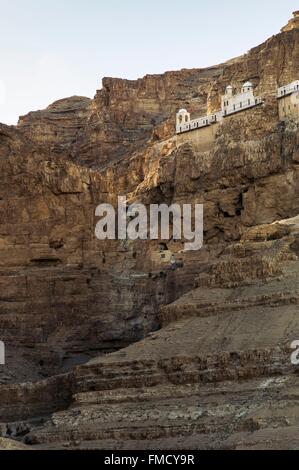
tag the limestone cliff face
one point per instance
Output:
(125, 115)
(293, 23)
(65, 296)
(227, 316)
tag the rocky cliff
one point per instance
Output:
(200, 356)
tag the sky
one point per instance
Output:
(51, 49)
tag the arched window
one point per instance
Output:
(186, 118)
(181, 119)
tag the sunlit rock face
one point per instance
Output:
(293, 23)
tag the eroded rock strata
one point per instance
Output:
(108, 348)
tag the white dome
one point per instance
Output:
(229, 87)
(183, 111)
(248, 85)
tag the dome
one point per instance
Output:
(183, 111)
(229, 87)
(248, 85)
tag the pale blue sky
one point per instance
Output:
(50, 49)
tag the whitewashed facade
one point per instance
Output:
(230, 104)
(184, 123)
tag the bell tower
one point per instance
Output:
(182, 119)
